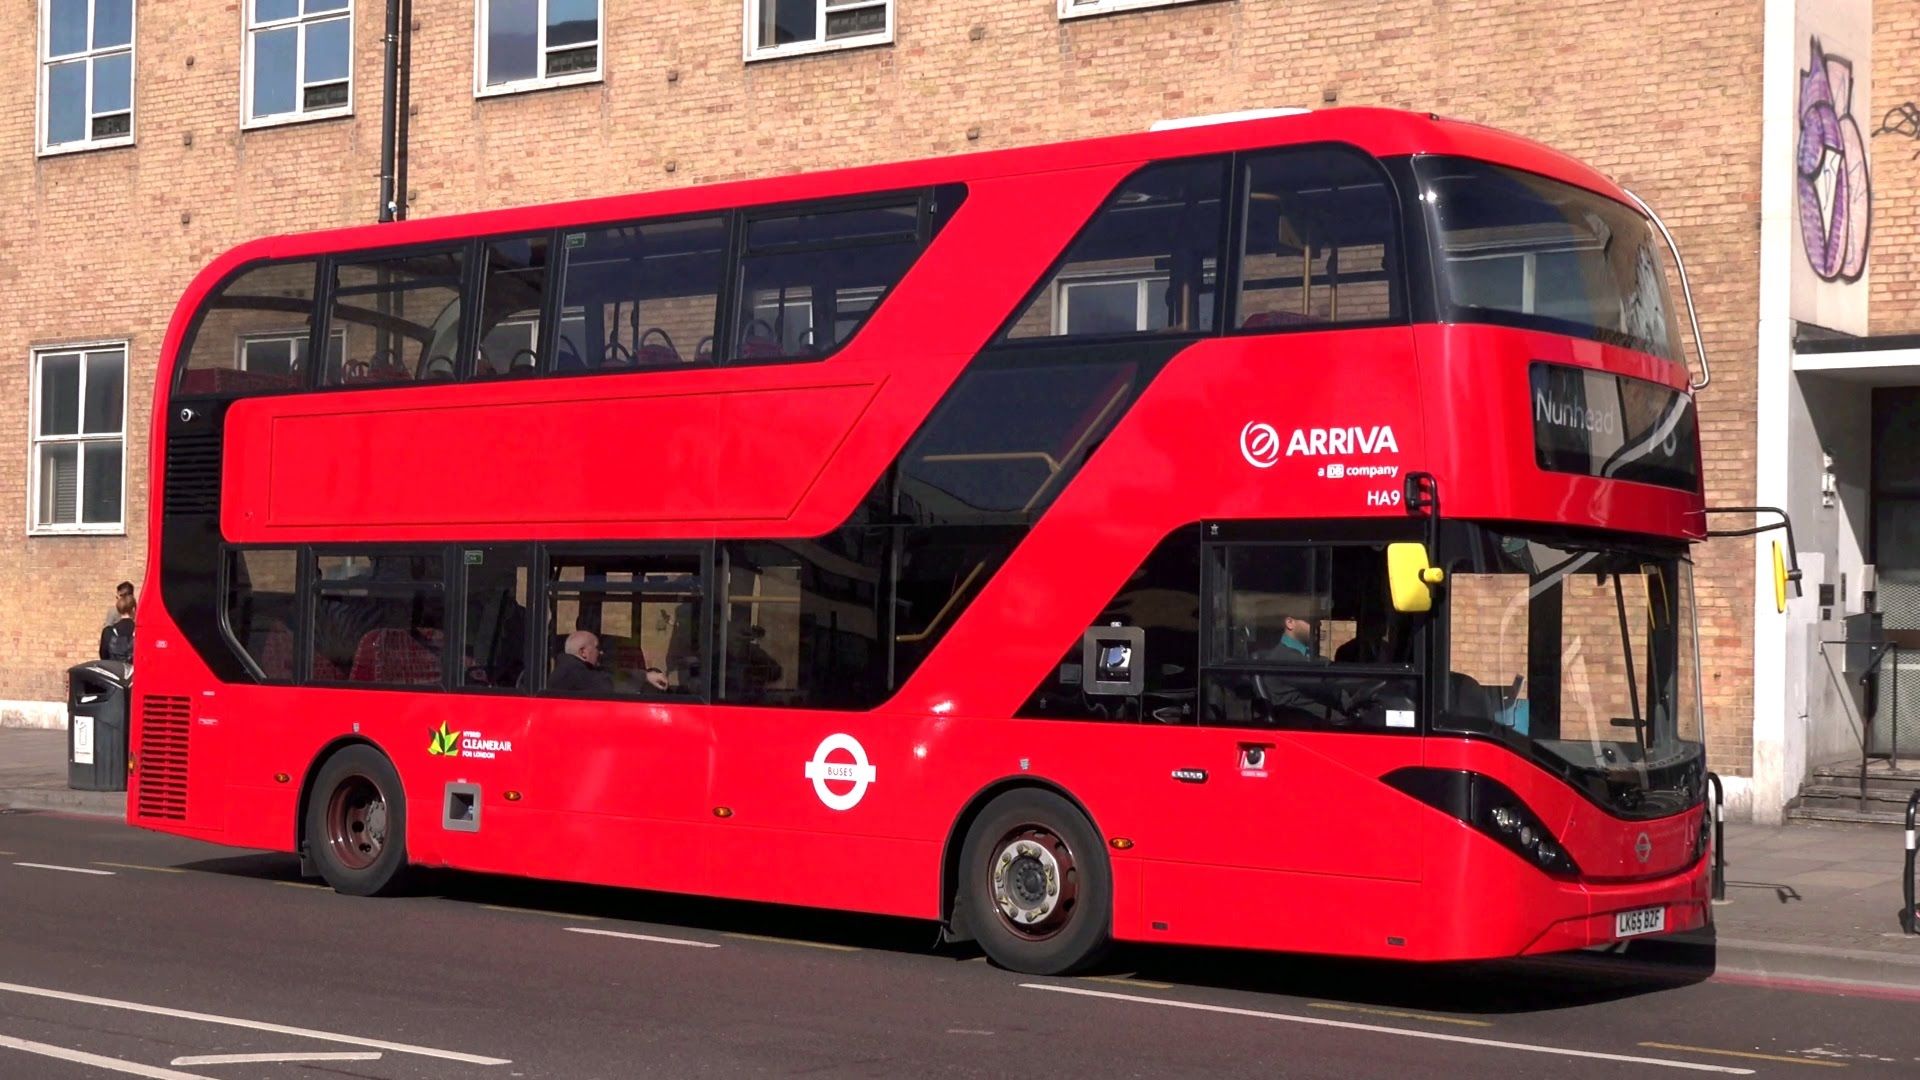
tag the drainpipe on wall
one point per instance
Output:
(389, 107)
(402, 121)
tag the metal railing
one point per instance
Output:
(1909, 913)
(1718, 810)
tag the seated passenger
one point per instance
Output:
(578, 670)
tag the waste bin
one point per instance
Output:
(98, 696)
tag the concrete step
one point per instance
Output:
(1845, 792)
(1843, 777)
(1847, 811)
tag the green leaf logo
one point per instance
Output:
(445, 743)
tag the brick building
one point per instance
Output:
(140, 139)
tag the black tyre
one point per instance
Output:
(1035, 885)
(357, 823)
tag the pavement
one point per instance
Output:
(1809, 901)
(33, 776)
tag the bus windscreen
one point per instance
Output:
(1520, 249)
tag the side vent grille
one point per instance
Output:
(193, 472)
(163, 757)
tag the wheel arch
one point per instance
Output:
(320, 759)
(952, 919)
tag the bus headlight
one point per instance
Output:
(1492, 809)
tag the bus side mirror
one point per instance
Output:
(1779, 579)
(1411, 577)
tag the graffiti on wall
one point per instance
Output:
(1902, 120)
(1835, 190)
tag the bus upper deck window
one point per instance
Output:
(400, 316)
(1148, 262)
(808, 280)
(252, 336)
(1318, 242)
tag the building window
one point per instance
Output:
(79, 434)
(282, 357)
(792, 27)
(299, 60)
(86, 74)
(1073, 9)
(529, 44)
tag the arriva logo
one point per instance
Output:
(1313, 442)
(1260, 445)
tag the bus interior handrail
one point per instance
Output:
(1686, 290)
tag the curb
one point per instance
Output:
(105, 804)
(33, 715)
(1771, 965)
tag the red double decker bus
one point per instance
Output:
(1269, 534)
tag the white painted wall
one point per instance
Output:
(1775, 381)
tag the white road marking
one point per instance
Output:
(265, 1059)
(828, 945)
(1377, 1029)
(131, 1068)
(537, 911)
(138, 866)
(68, 869)
(254, 1025)
(644, 937)
(1749, 1054)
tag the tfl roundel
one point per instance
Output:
(840, 784)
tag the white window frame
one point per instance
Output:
(293, 335)
(540, 81)
(750, 15)
(1143, 285)
(87, 55)
(250, 31)
(35, 441)
(1078, 9)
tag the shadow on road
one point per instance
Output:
(1563, 981)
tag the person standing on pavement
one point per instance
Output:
(116, 637)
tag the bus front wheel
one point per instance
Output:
(357, 823)
(1036, 885)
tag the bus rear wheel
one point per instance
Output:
(1036, 885)
(356, 827)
